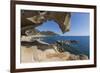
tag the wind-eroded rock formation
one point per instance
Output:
(31, 19)
(33, 54)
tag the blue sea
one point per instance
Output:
(79, 48)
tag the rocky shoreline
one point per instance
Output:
(39, 51)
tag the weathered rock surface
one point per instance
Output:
(33, 54)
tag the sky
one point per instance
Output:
(79, 23)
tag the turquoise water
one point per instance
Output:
(79, 48)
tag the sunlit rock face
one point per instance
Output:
(33, 54)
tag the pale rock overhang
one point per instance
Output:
(31, 19)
